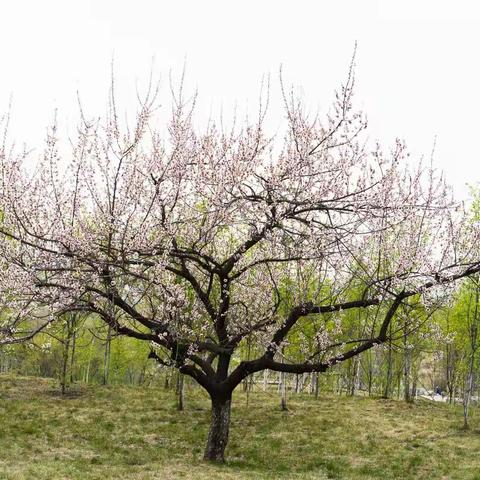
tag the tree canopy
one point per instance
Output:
(197, 239)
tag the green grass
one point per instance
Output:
(136, 433)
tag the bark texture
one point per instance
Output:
(219, 428)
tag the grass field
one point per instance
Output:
(136, 433)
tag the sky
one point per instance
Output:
(417, 63)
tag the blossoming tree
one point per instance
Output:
(197, 239)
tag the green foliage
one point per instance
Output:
(43, 356)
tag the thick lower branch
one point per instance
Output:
(307, 309)
(267, 361)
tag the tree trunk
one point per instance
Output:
(473, 333)
(72, 356)
(302, 382)
(406, 376)
(283, 392)
(180, 392)
(219, 427)
(166, 384)
(283, 386)
(297, 383)
(106, 358)
(467, 393)
(370, 381)
(386, 391)
(413, 391)
(354, 376)
(63, 374)
(87, 370)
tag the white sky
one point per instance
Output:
(418, 62)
